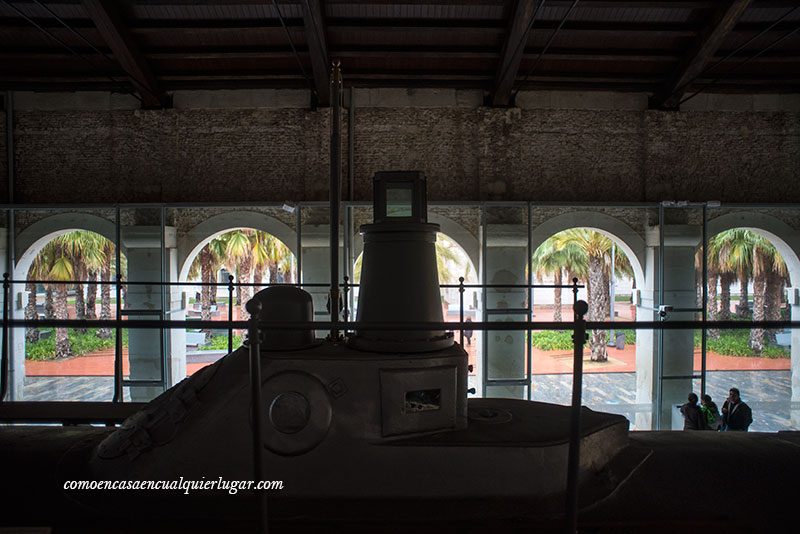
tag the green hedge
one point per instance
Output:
(562, 339)
(221, 343)
(736, 343)
(45, 349)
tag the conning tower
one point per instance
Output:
(399, 281)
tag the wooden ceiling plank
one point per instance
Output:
(692, 64)
(112, 27)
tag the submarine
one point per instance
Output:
(375, 432)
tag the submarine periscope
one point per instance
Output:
(375, 432)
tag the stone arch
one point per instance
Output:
(780, 234)
(787, 241)
(26, 247)
(622, 234)
(31, 240)
(635, 248)
(190, 243)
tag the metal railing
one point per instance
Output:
(579, 328)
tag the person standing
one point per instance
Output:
(711, 416)
(692, 416)
(468, 333)
(736, 415)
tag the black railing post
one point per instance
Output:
(346, 291)
(461, 305)
(4, 364)
(573, 461)
(574, 292)
(335, 194)
(230, 311)
(253, 338)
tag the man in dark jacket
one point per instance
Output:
(692, 415)
(736, 415)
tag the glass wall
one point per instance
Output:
(668, 262)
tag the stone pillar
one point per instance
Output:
(316, 266)
(680, 245)
(505, 263)
(177, 308)
(794, 302)
(645, 300)
(16, 348)
(142, 246)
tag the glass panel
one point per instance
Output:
(85, 374)
(255, 245)
(399, 199)
(756, 279)
(357, 216)
(144, 297)
(66, 259)
(506, 392)
(506, 349)
(316, 266)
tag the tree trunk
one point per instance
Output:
(91, 297)
(244, 291)
(207, 276)
(49, 307)
(31, 333)
(105, 301)
(63, 348)
(273, 273)
(288, 276)
(80, 299)
(726, 279)
(759, 294)
(772, 302)
(258, 278)
(557, 296)
(214, 289)
(598, 308)
(711, 304)
(743, 298)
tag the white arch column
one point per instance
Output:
(143, 244)
(680, 245)
(16, 358)
(794, 302)
(316, 266)
(504, 264)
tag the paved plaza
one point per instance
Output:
(767, 392)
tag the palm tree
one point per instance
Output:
(736, 258)
(61, 272)
(109, 251)
(71, 245)
(94, 256)
(769, 273)
(39, 270)
(714, 269)
(206, 264)
(554, 258)
(597, 248)
(446, 259)
(239, 252)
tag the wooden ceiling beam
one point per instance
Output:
(314, 22)
(522, 18)
(112, 27)
(695, 60)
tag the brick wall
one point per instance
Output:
(468, 153)
(3, 160)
